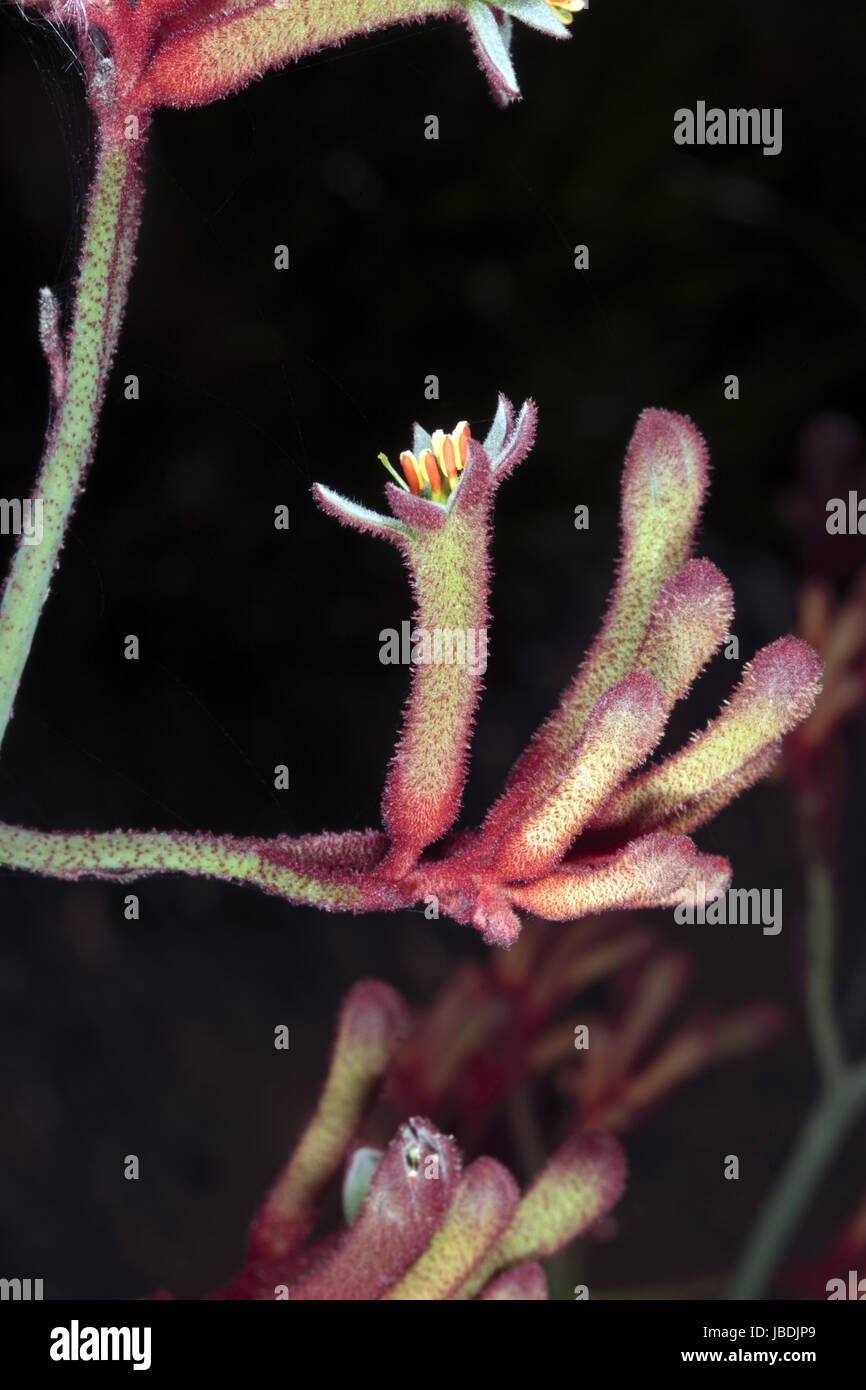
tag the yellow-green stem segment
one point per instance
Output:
(107, 257)
(132, 854)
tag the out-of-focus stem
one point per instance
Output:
(823, 1132)
(820, 970)
(107, 257)
(844, 1087)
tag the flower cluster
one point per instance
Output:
(515, 1020)
(581, 826)
(584, 824)
(418, 1225)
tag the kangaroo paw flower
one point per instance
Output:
(581, 827)
(404, 1208)
(372, 1023)
(419, 1227)
(440, 525)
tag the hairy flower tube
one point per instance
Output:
(142, 54)
(418, 1225)
(584, 824)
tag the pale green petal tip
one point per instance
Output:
(358, 1181)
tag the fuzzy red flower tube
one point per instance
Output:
(139, 55)
(584, 825)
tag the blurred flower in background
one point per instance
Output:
(417, 1224)
(516, 1019)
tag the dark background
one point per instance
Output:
(408, 257)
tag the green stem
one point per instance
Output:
(286, 868)
(107, 257)
(818, 1141)
(844, 1089)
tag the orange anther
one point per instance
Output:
(409, 464)
(447, 457)
(427, 466)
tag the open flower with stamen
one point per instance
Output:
(580, 826)
(435, 473)
(418, 1226)
(137, 56)
(585, 824)
(444, 544)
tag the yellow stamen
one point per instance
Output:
(462, 435)
(565, 10)
(435, 473)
